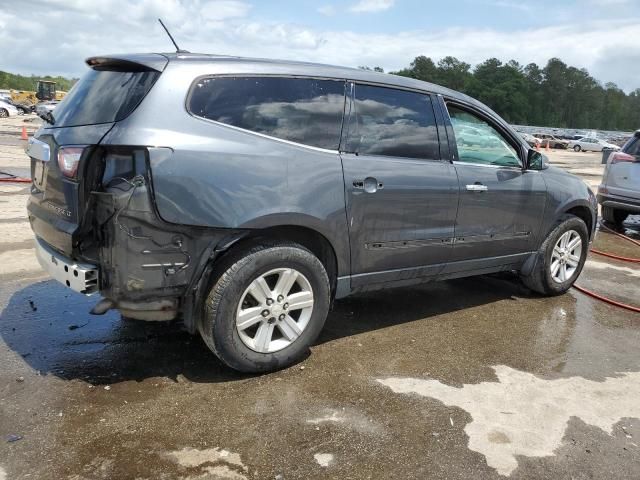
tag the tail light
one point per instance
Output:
(621, 157)
(68, 160)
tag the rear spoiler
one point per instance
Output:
(137, 62)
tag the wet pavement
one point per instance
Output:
(472, 378)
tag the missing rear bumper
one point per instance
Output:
(81, 277)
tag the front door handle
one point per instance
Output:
(369, 185)
(477, 187)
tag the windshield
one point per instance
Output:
(103, 97)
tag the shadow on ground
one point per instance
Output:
(51, 329)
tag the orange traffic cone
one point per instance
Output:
(546, 147)
(536, 146)
(24, 136)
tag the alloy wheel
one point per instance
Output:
(565, 258)
(274, 310)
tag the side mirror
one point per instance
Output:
(536, 160)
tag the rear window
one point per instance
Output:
(103, 97)
(633, 146)
(301, 110)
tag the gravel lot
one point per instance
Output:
(472, 378)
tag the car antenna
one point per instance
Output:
(178, 50)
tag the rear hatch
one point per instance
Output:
(623, 175)
(63, 151)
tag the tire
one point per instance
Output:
(614, 216)
(542, 279)
(243, 349)
(3, 113)
(577, 148)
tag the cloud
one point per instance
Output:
(609, 3)
(34, 45)
(372, 5)
(517, 5)
(327, 10)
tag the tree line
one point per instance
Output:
(11, 81)
(556, 95)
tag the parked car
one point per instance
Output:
(552, 140)
(44, 109)
(243, 196)
(7, 110)
(592, 144)
(22, 109)
(566, 136)
(531, 140)
(619, 192)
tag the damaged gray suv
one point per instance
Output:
(244, 195)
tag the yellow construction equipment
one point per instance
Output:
(46, 90)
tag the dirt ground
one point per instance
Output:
(471, 378)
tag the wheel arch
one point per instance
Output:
(576, 206)
(310, 238)
(583, 212)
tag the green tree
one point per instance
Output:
(557, 95)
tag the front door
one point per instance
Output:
(501, 204)
(401, 198)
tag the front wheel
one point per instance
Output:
(266, 308)
(3, 113)
(577, 148)
(560, 258)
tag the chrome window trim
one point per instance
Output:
(486, 165)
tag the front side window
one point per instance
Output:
(301, 110)
(392, 122)
(478, 142)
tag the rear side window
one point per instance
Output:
(301, 110)
(103, 96)
(391, 122)
(632, 147)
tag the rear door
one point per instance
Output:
(401, 197)
(501, 204)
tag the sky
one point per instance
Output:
(55, 36)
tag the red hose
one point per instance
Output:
(628, 239)
(607, 300)
(617, 257)
(15, 180)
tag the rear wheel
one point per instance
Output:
(577, 148)
(614, 216)
(560, 258)
(266, 308)
(3, 113)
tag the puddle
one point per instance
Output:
(522, 414)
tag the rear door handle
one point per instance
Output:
(369, 185)
(477, 188)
